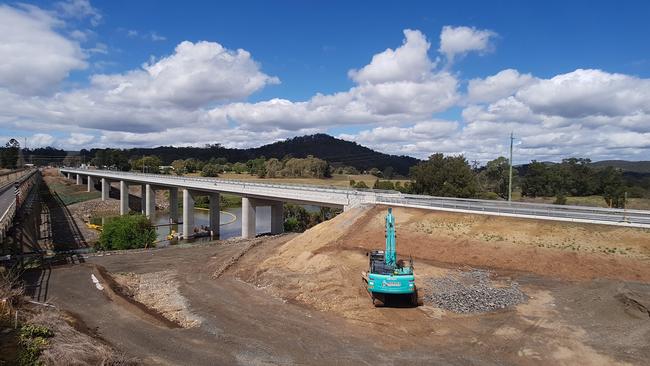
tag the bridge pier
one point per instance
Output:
(149, 200)
(188, 214)
(215, 215)
(106, 189)
(143, 193)
(69, 176)
(247, 218)
(78, 179)
(277, 218)
(91, 183)
(124, 197)
(248, 213)
(173, 205)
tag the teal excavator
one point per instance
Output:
(387, 276)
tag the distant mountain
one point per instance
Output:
(336, 151)
(625, 165)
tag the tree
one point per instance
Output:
(273, 168)
(448, 176)
(210, 170)
(239, 168)
(376, 172)
(111, 159)
(388, 172)
(148, 164)
(179, 166)
(612, 187)
(497, 175)
(9, 154)
(127, 232)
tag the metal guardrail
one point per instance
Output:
(634, 218)
(598, 215)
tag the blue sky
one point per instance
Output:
(570, 78)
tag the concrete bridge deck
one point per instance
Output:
(256, 194)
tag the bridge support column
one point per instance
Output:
(106, 189)
(173, 205)
(215, 215)
(91, 184)
(150, 200)
(143, 194)
(247, 218)
(69, 176)
(79, 179)
(124, 197)
(277, 218)
(188, 214)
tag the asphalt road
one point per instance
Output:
(6, 199)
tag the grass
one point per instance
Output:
(591, 201)
(337, 180)
(71, 193)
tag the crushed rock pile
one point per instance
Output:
(472, 292)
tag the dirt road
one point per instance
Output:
(565, 323)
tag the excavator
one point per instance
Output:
(387, 276)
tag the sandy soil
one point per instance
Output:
(299, 299)
(562, 323)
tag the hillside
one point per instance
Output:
(336, 151)
(626, 166)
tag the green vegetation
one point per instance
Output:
(225, 200)
(574, 177)
(70, 193)
(447, 176)
(9, 155)
(127, 232)
(111, 159)
(33, 339)
(298, 219)
(147, 164)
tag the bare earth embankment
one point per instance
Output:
(299, 298)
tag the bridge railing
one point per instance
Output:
(7, 213)
(568, 213)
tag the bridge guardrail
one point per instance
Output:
(626, 217)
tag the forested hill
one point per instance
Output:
(626, 166)
(335, 151)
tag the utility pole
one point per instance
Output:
(510, 179)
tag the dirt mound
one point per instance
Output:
(311, 270)
(558, 249)
(322, 267)
(158, 291)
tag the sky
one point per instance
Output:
(568, 78)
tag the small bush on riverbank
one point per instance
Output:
(127, 232)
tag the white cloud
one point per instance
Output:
(501, 85)
(79, 139)
(157, 37)
(35, 58)
(409, 62)
(457, 41)
(196, 74)
(588, 93)
(79, 9)
(40, 140)
(198, 94)
(397, 86)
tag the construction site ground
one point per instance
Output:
(299, 298)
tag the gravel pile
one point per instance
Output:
(472, 292)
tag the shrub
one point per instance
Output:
(127, 232)
(33, 338)
(210, 170)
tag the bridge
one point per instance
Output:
(256, 194)
(15, 188)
